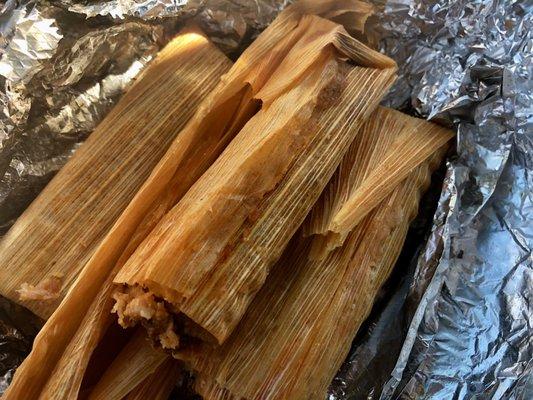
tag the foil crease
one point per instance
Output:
(470, 334)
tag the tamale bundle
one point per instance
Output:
(63, 348)
(194, 275)
(59, 232)
(300, 326)
(67, 342)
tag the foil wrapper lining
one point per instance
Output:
(459, 325)
(467, 308)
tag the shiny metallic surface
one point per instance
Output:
(469, 64)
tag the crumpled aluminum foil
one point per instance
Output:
(471, 334)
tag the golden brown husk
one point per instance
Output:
(70, 336)
(212, 252)
(159, 385)
(124, 372)
(389, 146)
(55, 368)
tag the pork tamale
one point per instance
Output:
(390, 145)
(61, 229)
(197, 271)
(300, 326)
(377, 137)
(66, 342)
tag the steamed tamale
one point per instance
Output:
(300, 326)
(295, 296)
(66, 343)
(383, 160)
(197, 271)
(61, 229)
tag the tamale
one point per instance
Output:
(61, 229)
(64, 346)
(300, 326)
(291, 288)
(197, 271)
(390, 145)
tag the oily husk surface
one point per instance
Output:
(64, 346)
(211, 253)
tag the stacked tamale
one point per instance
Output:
(253, 252)
(60, 231)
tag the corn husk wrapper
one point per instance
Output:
(61, 352)
(198, 270)
(300, 326)
(284, 314)
(158, 385)
(70, 347)
(383, 161)
(124, 373)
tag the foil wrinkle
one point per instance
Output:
(469, 65)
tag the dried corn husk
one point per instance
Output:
(62, 228)
(124, 373)
(56, 366)
(390, 145)
(157, 386)
(206, 259)
(300, 326)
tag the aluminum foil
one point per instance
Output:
(471, 335)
